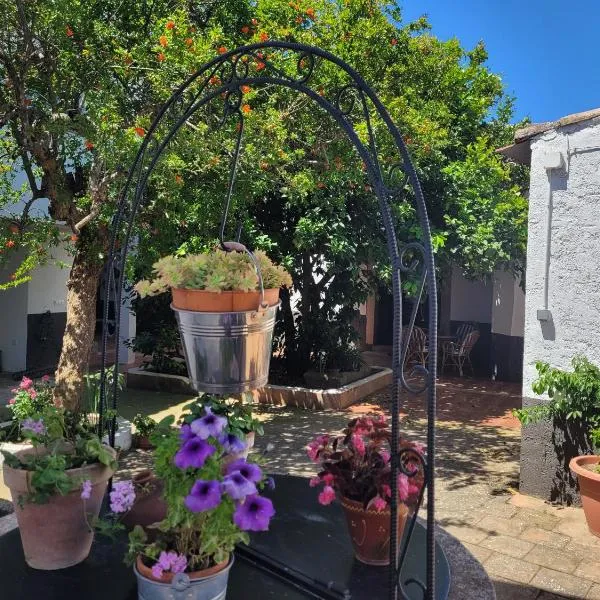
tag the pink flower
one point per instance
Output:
(46, 378)
(327, 496)
(328, 479)
(26, 383)
(413, 489)
(314, 482)
(385, 455)
(378, 503)
(359, 444)
(312, 452)
(12, 400)
(32, 393)
(420, 448)
(403, 487)
(157, 572)
(387, 490)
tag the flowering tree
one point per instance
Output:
(83, 82)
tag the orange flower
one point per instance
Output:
(245, 29)
(14, 228)
(321, 91)
(163, 40)
(10, 243)
(299, 20)
(178, 179)
(246, 109)
(140, 131)
(214, 80)
(222, 50)
(311, 13)
(260, 66)
(68, 31)
(170, 25)
(27, 101)
(160, 57)
(264, 165)
(89, 145)
(263, 37)
(254, 21)
(189, 42)
(13, 276)
(320, 185)
(393, 41)
(74, 237)
(245, 89)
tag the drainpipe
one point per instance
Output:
(552, 161)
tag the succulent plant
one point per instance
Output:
(217, 271)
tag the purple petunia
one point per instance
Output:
(203, 496)
(254, 514)
(186, 433)
(236, 486)
(231, 443)
(250, 471)
(193, 453)
(122, 496)
(86, 489)
(208, 425)
(36, 427)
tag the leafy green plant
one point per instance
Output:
(573, 396)
(215, 271)
(144, 425)
(160, 348)
(212, 498)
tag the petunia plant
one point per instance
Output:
(213, 497)
(357, 465)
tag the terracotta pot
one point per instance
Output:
(143, 443)
(370, 531)
(231, 301)
(56, 535)
(589, 487)
(168, 577)
(149, 506)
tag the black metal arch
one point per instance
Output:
(294, 67)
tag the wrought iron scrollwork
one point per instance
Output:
(216, 89)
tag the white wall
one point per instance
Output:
(13, 321)
(574, 265)
(470, 300)
(48, 285)
(508, 308)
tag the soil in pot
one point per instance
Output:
(228, 301)
(370, 531)
(589, 488)
(56, 535)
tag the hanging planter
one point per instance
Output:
(225, 303)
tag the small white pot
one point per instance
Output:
(123, 436)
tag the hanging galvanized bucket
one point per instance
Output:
(228, 352)
(182, 587)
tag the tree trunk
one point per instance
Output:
(79, 331)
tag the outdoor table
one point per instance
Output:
(305, 539)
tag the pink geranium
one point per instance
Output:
(26, 383)
(378, 503)
(327, 496)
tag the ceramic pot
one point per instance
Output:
(149, 506)
(370, 531)
(56, 535)
(229, 301)
(209, 584)
(589, 488)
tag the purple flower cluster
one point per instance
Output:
(169, 561)
(231, 443)
(36, 427)
(122, 496)
(86, 489)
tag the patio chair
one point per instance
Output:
(459, 352)
(464, 330)
(417, 346)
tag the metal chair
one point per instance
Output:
(459, 352)
(418, 348)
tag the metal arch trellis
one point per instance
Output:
(292, 65)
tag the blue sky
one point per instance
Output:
(547, 51)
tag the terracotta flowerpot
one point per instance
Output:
(230, 301)
(589, 487)
(143, 443)
(370, 531)
(168, 577)
(149, 506)
(56, 535)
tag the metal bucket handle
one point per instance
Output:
(239, 247)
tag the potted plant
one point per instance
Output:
(574, 397)
(356, 468)
(144, 427)
(211, 504)
(225, 304)
(45, 481)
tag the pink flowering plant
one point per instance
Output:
(213, 496)
(356, 465)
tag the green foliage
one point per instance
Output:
(144, 425)
(574, 396)
(91, 393)
(215, 271)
